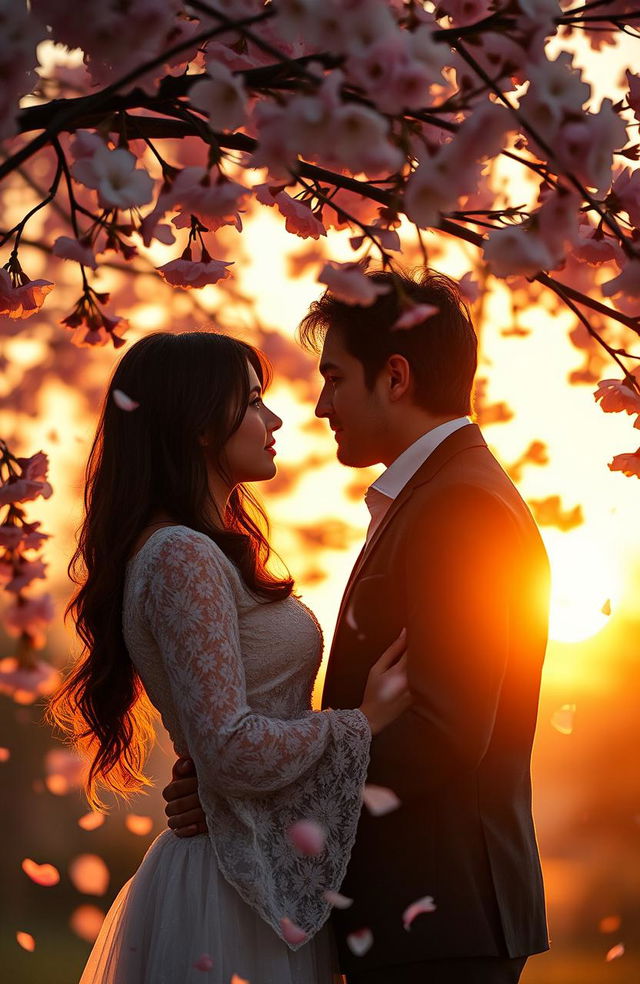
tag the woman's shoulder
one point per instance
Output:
(180, 546)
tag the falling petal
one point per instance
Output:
(307, 837)
(58, 785)
(562, 719)
(204, 962)
(91, 821)
(138, 824)
(416, 909)
(610, 924)
(86, 922)
(290, 932)
(615, 952)
(5, 754)
(89, 874)
(337, 900)
(379, 800)
(606, 608)
(41, 874)
(236, 979)
(124, 402)
(26, 941)
(360, 941)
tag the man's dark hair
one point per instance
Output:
(441, 350)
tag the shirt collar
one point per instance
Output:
(393, 480)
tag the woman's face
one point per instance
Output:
(249, 454)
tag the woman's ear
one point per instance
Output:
(398, 377)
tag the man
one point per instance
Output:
(453, 555)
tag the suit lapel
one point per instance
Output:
(461, 440)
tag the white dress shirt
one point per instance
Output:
(390, 484)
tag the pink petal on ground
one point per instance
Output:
(615, 952)
(290, 932)
(41, 874)
(307, 837)
(337, 900)
(204, 962)
(124, 402)
(379, 800)
(236, 979)
(416, 909)
(360, 941)
(610, 924)
(5, 754)
(26, 941)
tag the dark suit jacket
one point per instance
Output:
(459, 561)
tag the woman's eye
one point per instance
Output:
(257, 402)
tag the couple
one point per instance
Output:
(176, 607)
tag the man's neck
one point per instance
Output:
(409, 432)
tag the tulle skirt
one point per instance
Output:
(178, 921)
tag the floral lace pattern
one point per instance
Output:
(232, 679)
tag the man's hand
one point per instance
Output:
(186, 816)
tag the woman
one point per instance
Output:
(176, 609)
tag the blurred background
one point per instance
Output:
(61, 865)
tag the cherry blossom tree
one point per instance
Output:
(388, 118)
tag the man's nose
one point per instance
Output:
(323, 406)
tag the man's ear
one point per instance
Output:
(398, 377)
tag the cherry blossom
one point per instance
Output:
(628, 464)
(291, 933)
(30, 616)
(89, 874)
(625, 194)
(300, 220)
(627, 282)
(21, 300)
(615, 952)
(124, 402)
(308, 837)
(30, 484)
(633, 97)
(348, 283)
(337, 900)
(360, 941)
(26, 941)
(74, 249)
(423, 905)
(516, 251)
(114, 175)
(360, 141)
(379, 800)
(415, 315)
(190, 274)
(615, 395)
(221, 96)
(26, 682)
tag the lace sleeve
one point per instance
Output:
(191, 610)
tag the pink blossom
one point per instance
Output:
(347, 282)
(30, 484)
(633, 98)
(124, 402)
(10, 537)
(585, 146)
(222, 96)
(67, 765)
(26, 536)
(615, 395)
(74, 249)
(360, 141)
(85, 144)
(337, 900)
(516, 251)
(114, 175)
(556, 223)
(595, 248)
(379, 800)
(307, 837)
(628, 464)
(463, 12)
(23, 300)
(469, 288)
(555, 89)
(413, 316)
(432, 188)
(627, 282)
(24, 681)
(150, 228)
(189, 274)
(20, 33)
(277, 147)
(291, 933)
(300, 220)
(21, 572)
(360, 941)
(625, 192)
(416, 909)
(216, 202)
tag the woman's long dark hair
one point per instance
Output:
(146, 461)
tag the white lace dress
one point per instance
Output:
(232, 679)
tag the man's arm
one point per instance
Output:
(186, 816)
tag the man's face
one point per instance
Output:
(355, 413)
